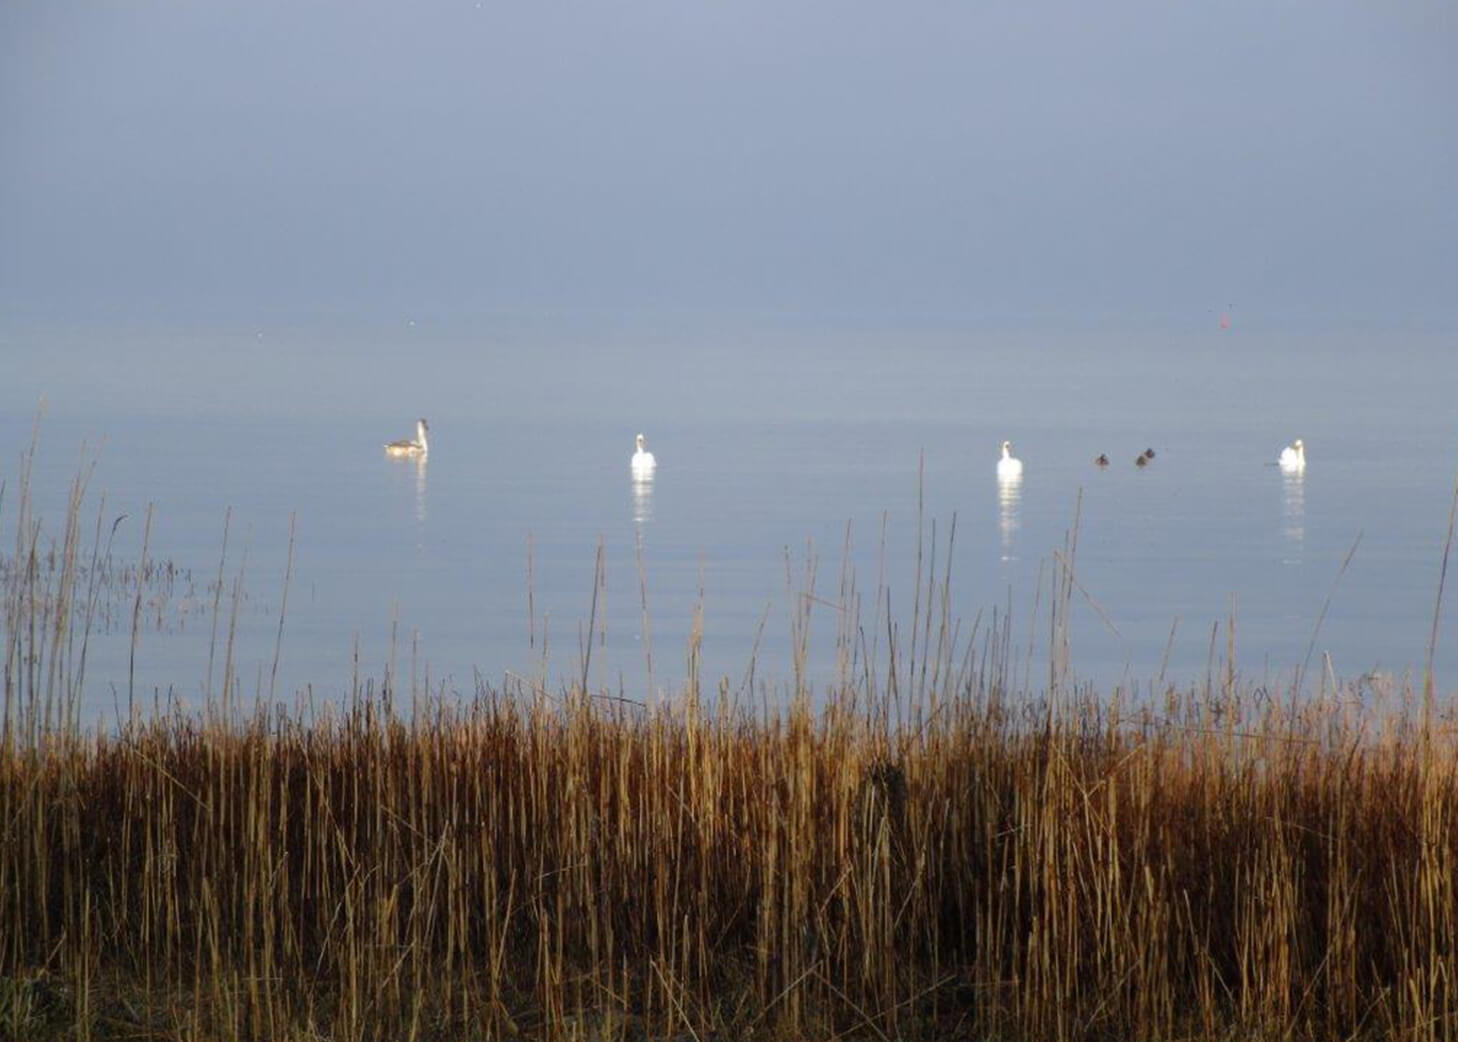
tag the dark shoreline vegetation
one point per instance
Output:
(924, 850)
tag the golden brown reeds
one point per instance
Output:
(579, 867)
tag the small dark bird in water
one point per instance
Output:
(1142, 461)
(1102, 461)
(1149, 454)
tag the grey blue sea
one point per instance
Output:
(786, 461)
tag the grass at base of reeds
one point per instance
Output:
(523, 866)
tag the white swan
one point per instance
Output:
(1293, 456)
(1009, 468)
(416, 447)
(643, 461)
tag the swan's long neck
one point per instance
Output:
(1006, 451)
(640, 443)
(420, 435)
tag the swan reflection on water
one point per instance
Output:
(1009, 499)
(1293, 512)
(420, 462)
(642, 498)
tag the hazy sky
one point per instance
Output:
(895, 161)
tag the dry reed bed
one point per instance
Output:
(519, 865)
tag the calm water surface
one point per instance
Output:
(481, 561)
